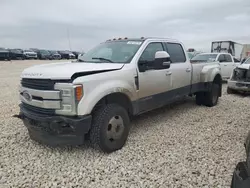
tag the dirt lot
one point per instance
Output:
(182, 145)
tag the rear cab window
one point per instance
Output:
(176, 52)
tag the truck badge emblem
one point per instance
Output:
(27, 96)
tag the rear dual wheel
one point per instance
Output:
(209, 98)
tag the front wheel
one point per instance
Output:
(110, 128)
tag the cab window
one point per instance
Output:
(148, 54)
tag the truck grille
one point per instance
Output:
(40, 84)
(38, 110)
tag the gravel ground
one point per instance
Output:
(182, 145)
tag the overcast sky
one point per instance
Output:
(44, 23)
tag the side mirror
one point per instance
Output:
(162, 60)
(142, 65)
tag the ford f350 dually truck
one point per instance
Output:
(95, 97)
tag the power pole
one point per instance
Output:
(68, 38)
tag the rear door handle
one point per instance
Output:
(188, 70)
(168, 73)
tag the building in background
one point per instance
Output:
(246, 51)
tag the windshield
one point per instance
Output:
(114, 52)
(204, 57)
(247, 61)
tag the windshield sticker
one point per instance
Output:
(134, 42)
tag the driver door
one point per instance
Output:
(153, 83)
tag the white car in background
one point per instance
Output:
(29, 54)
(227, 62)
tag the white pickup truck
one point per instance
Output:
(240, 78)
(227, 62)
(93, 98)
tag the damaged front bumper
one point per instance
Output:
(55, 130)
(238, 85)
(240, 80)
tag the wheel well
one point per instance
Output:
(218, 80)
(117, 98)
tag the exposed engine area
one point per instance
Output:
(241, 75)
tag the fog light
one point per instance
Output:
(66, 92)
(67, 107)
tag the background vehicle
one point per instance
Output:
(66, 55)
(76, 54)
(240, 78)
(233, 48)
(43, 54)
(97, 95)
(54, 55)
(29, 54)
(227, 62)
(16, 54)
(4, 54)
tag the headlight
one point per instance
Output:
(70, 96)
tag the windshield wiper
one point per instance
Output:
(103, 59)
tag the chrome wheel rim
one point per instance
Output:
(115, 128)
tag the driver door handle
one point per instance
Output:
(168, 73)
(188, 70)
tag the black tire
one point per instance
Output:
(231, 91)
(101, 127)
(211, 97)
(199, 98)
(247, 149)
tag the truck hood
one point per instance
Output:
(243, 66)
(66, 70)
